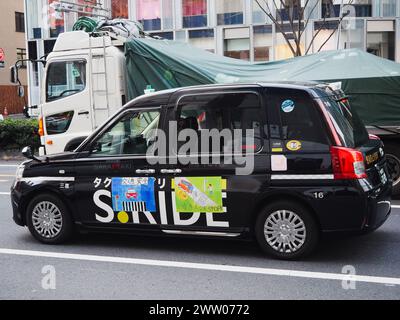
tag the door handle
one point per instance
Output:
(83, 113)
(173, 171)
(145, 171)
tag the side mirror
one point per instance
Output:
(27, 153)
(14, 75)
(21, 91)
(25, 112)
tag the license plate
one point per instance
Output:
(383, 176)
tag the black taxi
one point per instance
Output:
(281, 163)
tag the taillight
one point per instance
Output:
(347, 163)
(41, 128)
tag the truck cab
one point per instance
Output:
(84, 85)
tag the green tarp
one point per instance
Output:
(372, 83)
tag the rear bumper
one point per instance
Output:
(379, 208)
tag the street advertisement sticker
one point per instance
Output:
(133, 194)
(199, 194)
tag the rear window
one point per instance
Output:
(301, 123)
(348, 125)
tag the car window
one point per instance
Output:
(346, 121)
(131, 135)
(228, 111)
(65, 78)
(301, 122)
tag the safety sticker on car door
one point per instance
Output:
(199, 194)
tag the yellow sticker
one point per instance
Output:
(123, 217)
(277, 149)
(293, 145)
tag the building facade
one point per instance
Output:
(234, 28)
(12, 48)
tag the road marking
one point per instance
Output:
(206, 266)
(7, 175)
(395, 206)
(5, 193)
(4, 180)
(9, 165)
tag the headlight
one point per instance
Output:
(20, 173)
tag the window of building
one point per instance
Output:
(381, 44)
(21, 55)
(389, 8)
(229, 12)
(355, 8)
(148, 13)
(282, 48)
(167, 14)
(325, 36)
(203, 38)
(131, 135)
(259, 15)
(19, 22)
(223, 112)
(65, 79)
(263, 41)
(56, 18)
(119, 9)
(237, 48)
(303, 123)
(33, 30)
(194, 13)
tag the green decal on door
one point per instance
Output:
(199, 194)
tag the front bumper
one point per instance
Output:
(18, 216)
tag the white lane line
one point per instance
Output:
(395, 206)
(205, 266)
(7, 175)
(5, 193)
(9, 165)
(4, 180)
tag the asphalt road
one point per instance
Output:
(131, 267)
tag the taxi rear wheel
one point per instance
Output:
(48, 219)
(286, 230)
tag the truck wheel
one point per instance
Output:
(286, 230)
(48, 219)
(393, 161)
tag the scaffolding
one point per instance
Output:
(88, 8)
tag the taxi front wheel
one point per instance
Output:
(286, 230)
(48, 219)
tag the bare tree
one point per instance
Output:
(291, 20)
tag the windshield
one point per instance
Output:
(347, 123)
(65, 78)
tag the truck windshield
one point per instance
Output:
(348, 125)
(65, 78)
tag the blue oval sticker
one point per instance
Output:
(287, 106)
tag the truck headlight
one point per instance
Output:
(20, 173)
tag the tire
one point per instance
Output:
(61, 223)
(307, 240)
(392, 151)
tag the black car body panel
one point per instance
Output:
(85, 181)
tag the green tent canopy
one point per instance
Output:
(372, 83)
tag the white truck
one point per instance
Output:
(84, 85)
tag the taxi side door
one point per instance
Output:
(206, 193)
(116, 186)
